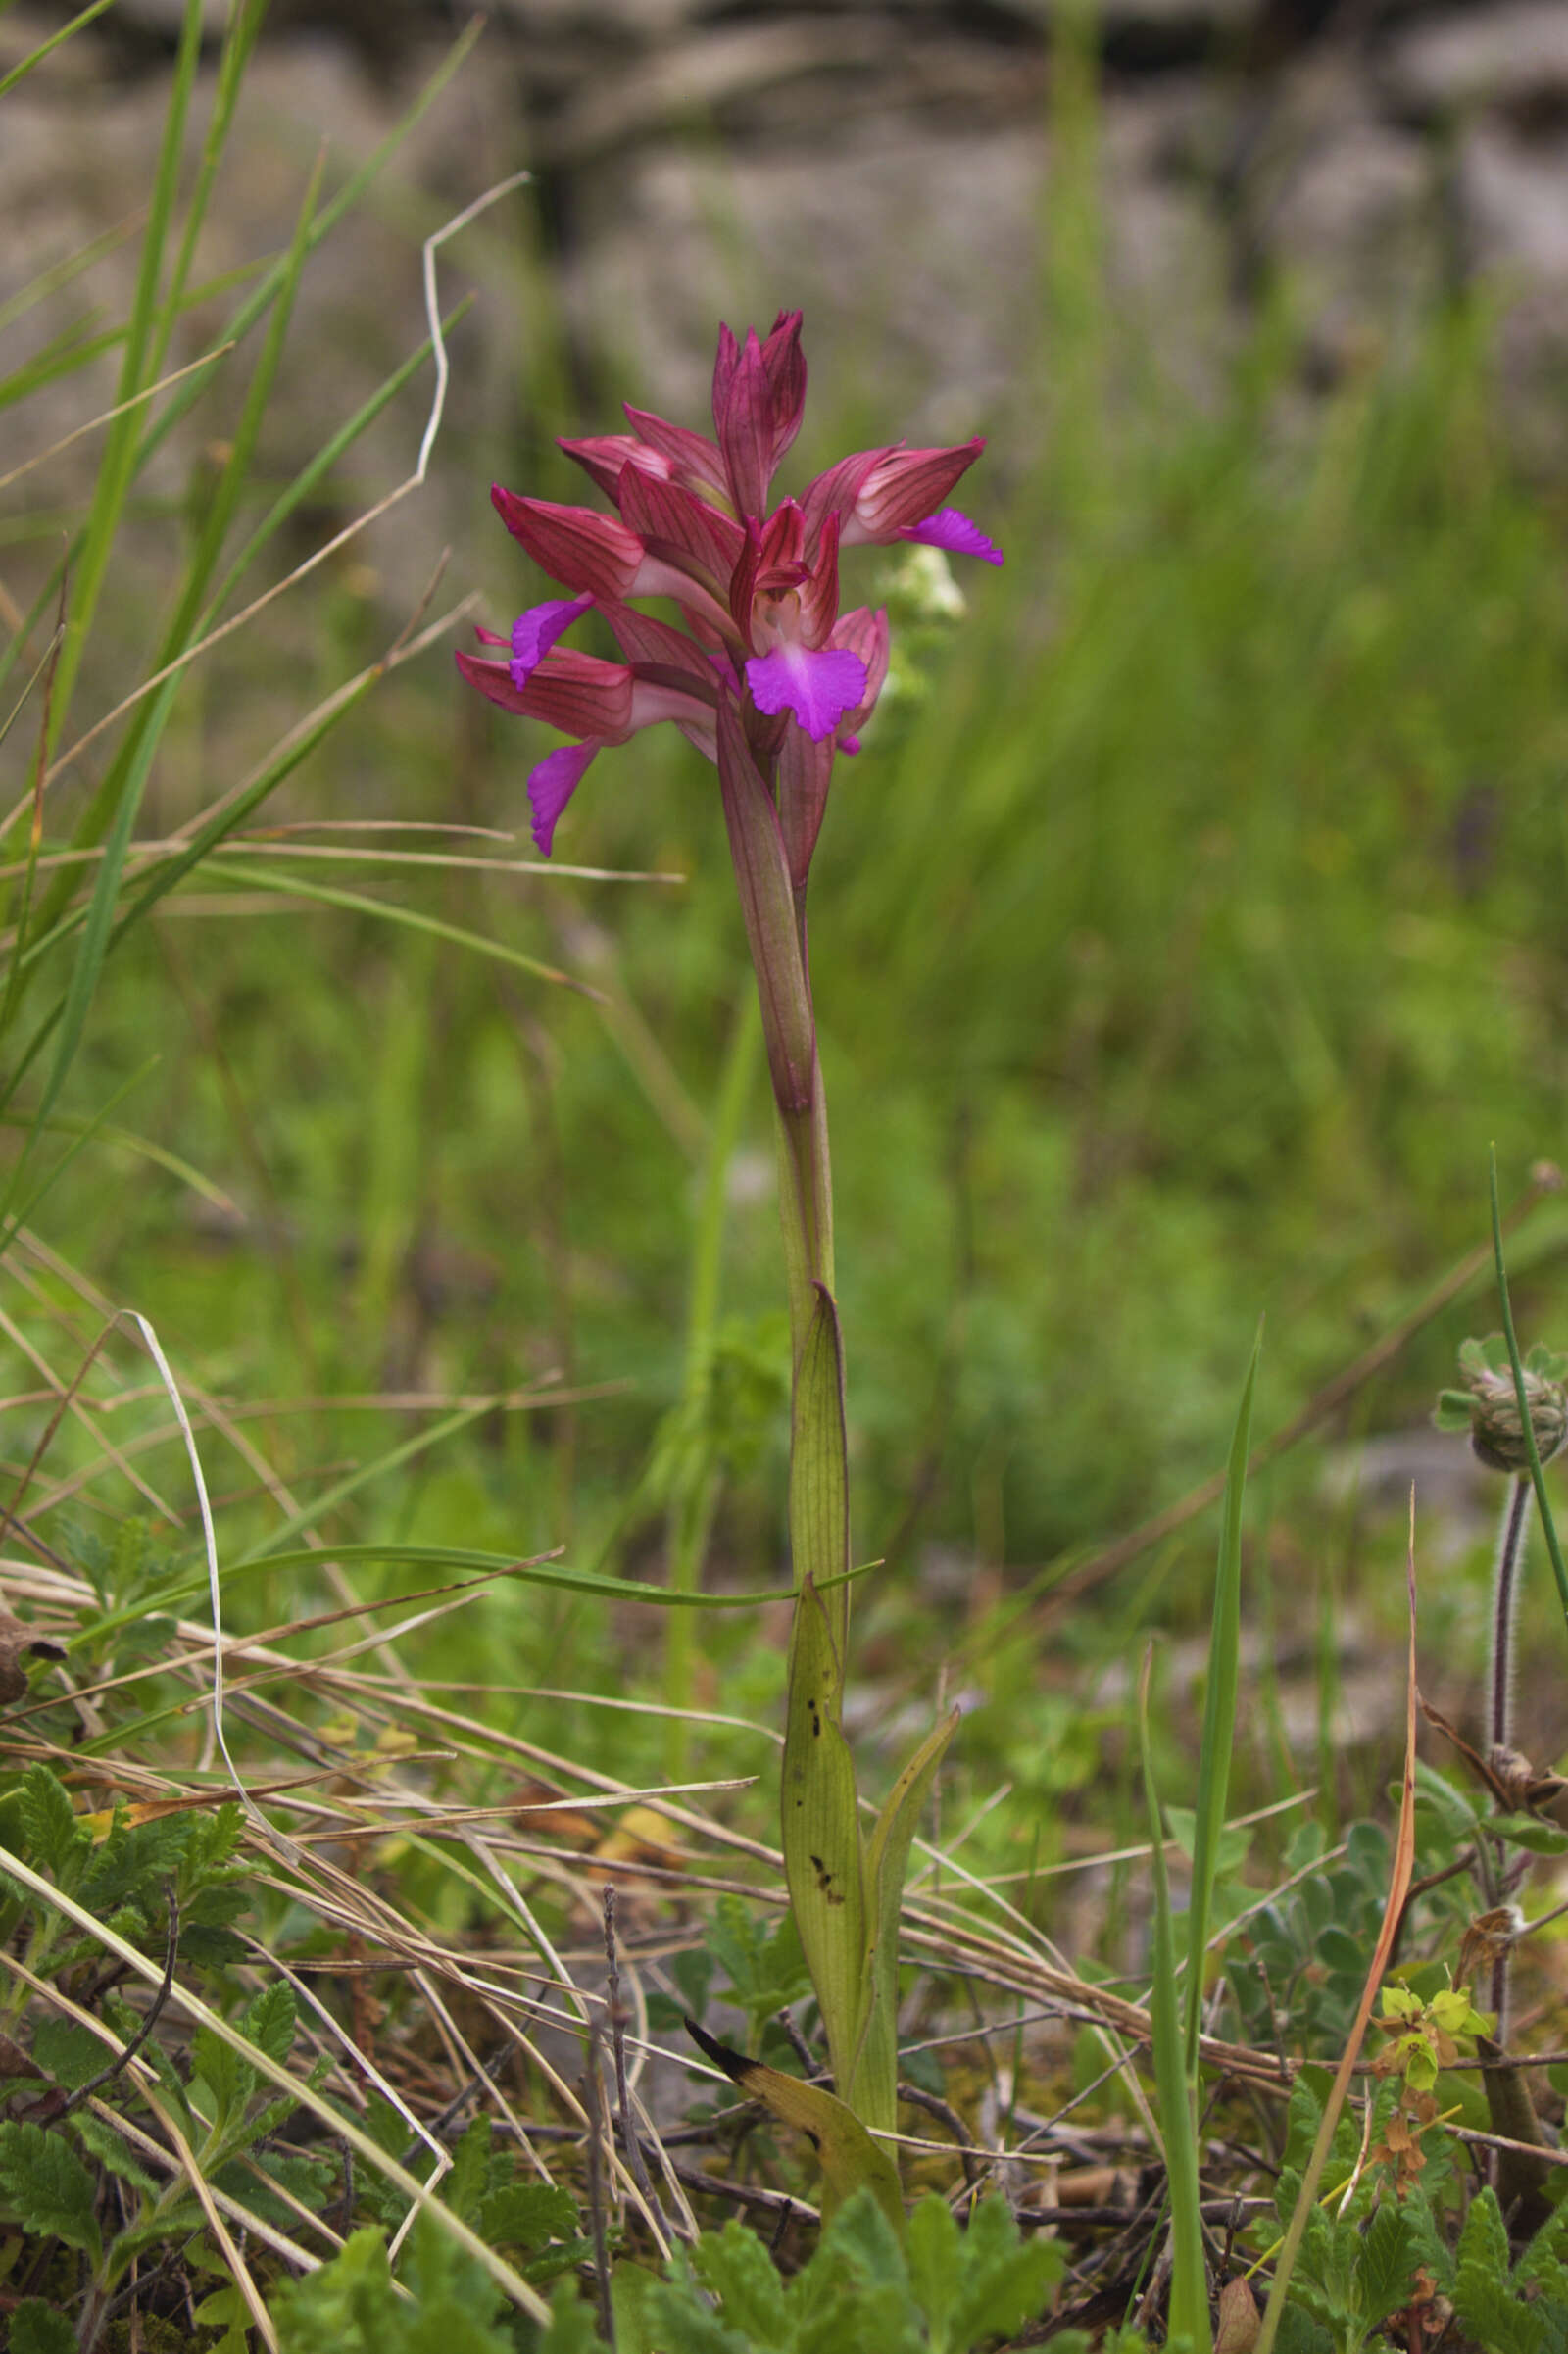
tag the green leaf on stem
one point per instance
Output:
(872, 2090)
(821, 1833)
(850, 2158)
(819, 1478)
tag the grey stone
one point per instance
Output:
(1514, 194)
(1514, 56)
(1346, 204)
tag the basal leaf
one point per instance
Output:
(872, 2088)
(821, 1833)
(849, 2159)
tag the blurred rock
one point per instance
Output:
(1514, 57)
(1346, 204)
(884, 162)
(1514, 194)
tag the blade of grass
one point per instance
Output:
(60, 275)
(158, 1157)
(295, 748)
(119, 468)
(19, 71)
(241, 32)
(1189, 2279)
(356, 902)
(118, 799)
(24, 899)
(85, 1134)
(1220, 1716)
(271, 286)
(95, 424)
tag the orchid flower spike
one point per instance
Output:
(755, 590)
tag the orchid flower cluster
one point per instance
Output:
(770, 681)
(758, 591)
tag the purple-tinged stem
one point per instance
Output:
(1505, 1605)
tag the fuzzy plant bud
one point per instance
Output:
(1487, 1405)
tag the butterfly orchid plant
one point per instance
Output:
(769, 680)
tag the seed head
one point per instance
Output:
(1487, 1405)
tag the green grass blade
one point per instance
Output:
(118, 799)
(91, 953)
(1219, 1712)
(591, 1585)
(356, 902)
(1400, 1874)
(60, 275)
(117, 469)
(19, 71)
(327, 220)
(240, 35)
(322, 465)
(1189, 2279)
(76, 346)
(158, 1157)
(87, 1130)
(285, 758)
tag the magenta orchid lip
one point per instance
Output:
(756, 590)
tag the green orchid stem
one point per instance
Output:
(806, 1212)
(1536, 1475)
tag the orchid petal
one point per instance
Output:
(949, 529)
(553, 784)
(584, 550)
(534, 632)
(818, 688)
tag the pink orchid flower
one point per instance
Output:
(756, 590)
